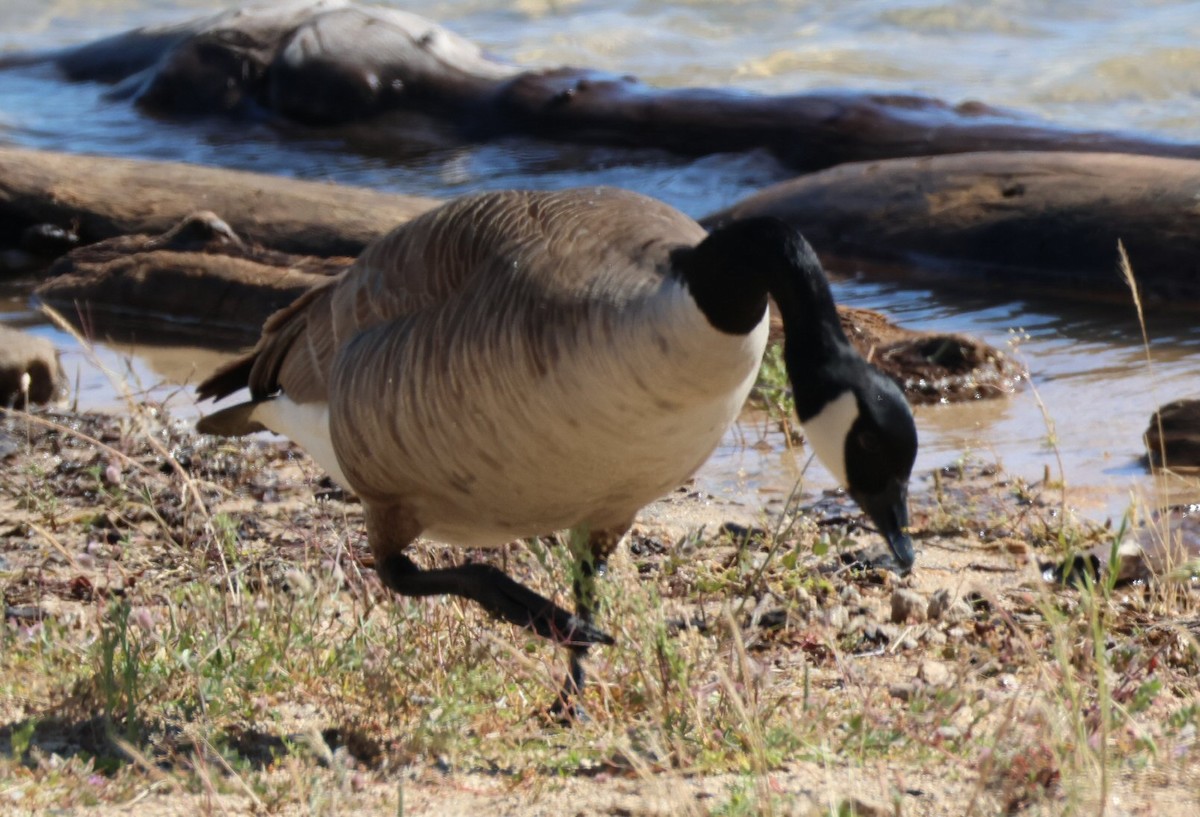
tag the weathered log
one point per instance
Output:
(932, 367)
(29, 368)
(103, 197)
(1173, 437)
(336, 61)
(198, 278)
(1048, 220)
(200, 275)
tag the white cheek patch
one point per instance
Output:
(827, 432)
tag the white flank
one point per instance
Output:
(827, 433)
(306, 424)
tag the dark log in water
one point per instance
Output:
(102, 197)
(1173, 437)
(932, 367)
(1047, 220)
(1039, 221)
(334, 63)
(199, 274)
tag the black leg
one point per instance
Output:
(565, 706)
(497, 593)
(590, 553)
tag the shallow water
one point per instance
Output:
(1089, 64)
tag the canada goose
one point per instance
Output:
(517, 363)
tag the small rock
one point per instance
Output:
(856, 624)
(949, 732)
(903, 692)
(837, 617)
(1016, 547)
(934, 673)
(939, 603)
(1173, 436)
(907, 604)
(859, 807)
(958, 611)
(802, 602)
(881, 633)
(112, 473)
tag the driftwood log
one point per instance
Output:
(201, 275)
(1173, 437)
(102, 197)
(1049, 221)
(334, 62)
(932, 367)
(198, 280)
(1034, 221)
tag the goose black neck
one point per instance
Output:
(732, 271)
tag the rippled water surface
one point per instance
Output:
(1091, 64)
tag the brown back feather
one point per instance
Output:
(528, 244)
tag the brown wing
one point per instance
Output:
(417, 265)
(526, 242)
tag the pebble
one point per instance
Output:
(837, 617)
(934, 637)
(958, 611)
(802, 602)
(856, 624)
(934, 673)
(939, 603)
(859, 807)
(907, 604)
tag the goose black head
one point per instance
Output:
(855, 418)
(878, 450)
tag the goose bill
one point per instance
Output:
(888, 509)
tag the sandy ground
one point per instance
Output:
(978, 679)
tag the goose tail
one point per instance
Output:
(227, 379)
(234, 421)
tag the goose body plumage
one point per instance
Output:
(502, 368)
